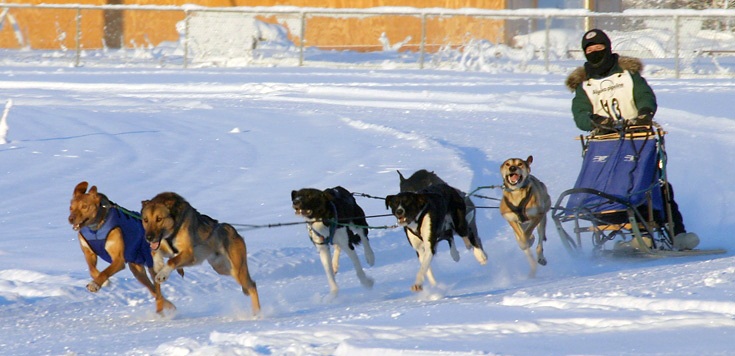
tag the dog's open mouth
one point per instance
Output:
(514, 178)
(155, 245)
(78, 226)
(303, 212)
(402, 220)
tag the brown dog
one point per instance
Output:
(525, 204)
(174, 229)
(114, 234)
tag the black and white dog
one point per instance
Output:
(422, 179)
(425, 216)
(334, 219)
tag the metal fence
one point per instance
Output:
(674, 43)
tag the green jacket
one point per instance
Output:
(582, 107)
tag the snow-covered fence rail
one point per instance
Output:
(674, 42)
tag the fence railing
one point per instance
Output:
(674, 43)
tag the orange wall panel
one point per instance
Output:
(56, 29)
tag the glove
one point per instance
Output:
(645, 117)
(601, 122)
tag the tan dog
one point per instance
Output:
(176, 230)
(525, 204)
(114, 234)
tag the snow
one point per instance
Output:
(235, 142)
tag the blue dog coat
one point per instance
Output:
(137, 249)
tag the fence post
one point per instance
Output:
(78, 37)
(302, 31)
(187, 13)
(547, 42)
(676, 46)
(422, 45)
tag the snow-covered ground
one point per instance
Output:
(235, 143)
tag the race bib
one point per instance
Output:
(612, 96)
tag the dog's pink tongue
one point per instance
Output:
(514, 178)
(154, 245)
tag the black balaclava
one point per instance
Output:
(598, 62)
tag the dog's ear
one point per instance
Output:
(388, 200)
(81, 188)
(529, 160)
(93, 190)
(143, 204)
(293, 195)
(174, 204)
(400, 176)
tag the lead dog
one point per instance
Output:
(425, 216)
(107, 231)
(525, 204)
(422, 179)
(334, 219)
(176, 230)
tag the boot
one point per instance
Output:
(686, 241)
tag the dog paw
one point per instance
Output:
(367, 282)
(417, 288)
(480, 256)
(93, 287)
(167, 313)
(542, 261)
(164, 307)
(370, 258)
(455, 255)
(162, 277)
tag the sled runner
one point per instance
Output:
(620, 204)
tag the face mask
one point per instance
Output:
(595, 58)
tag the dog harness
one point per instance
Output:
(137, 249)
(419, 220)
(520, 209)
(319, 239)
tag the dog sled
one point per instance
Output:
(620, 204)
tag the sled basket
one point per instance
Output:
(620, 194)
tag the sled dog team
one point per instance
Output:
(169, 234)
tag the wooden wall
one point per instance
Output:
(56, 29)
